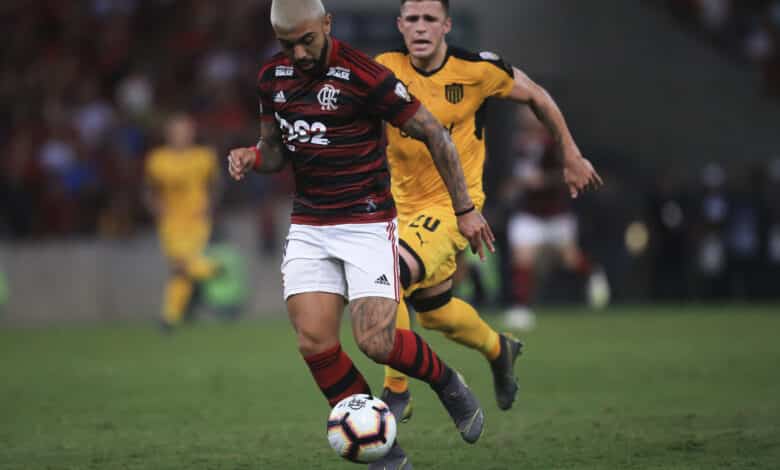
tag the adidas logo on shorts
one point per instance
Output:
(382, 280)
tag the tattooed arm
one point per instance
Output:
(271, 151)
(424, 127)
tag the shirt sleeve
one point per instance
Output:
(392, 101)
(499, 77)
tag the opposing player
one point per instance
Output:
(323, 106)
(181, 184)
(544, 220)
(454, 84)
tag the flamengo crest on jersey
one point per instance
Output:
(328, 96)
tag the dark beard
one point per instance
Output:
(322, 60)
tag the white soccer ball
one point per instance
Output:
(361, 428)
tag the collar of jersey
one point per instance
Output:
(434, 71)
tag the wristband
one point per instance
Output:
(258, 158)
(465, 211)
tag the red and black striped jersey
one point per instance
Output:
(332, 125)
(551, 198)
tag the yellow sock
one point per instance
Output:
(461, 323)
(177, 295)
(396, 381)
(201, 268)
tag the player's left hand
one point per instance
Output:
(475, 228)
(579, 174)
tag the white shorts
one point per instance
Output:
(351, 260)
(526, 229)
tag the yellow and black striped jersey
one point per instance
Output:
(455, 94)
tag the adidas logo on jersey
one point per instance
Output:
(280, 98)
(382, 280)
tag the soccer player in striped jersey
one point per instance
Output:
(454, 84)
(324, 105)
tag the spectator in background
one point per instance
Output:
(711, 211)
(746, 30)
(543, 219)
(91, 80)
(20, 181)
(669, 224)
(771, 230)
(744, 232)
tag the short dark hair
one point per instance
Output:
(444, 3)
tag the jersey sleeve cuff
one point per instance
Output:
(401, 118)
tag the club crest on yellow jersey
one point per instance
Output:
(454, 92)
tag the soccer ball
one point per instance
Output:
(361, 428)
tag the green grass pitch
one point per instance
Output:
(636, 388)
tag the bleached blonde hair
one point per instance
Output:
(287, 14)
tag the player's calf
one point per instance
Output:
(336, 375)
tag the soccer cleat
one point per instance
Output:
(396, 459)
(399, 403)
(504, 380)
(463, 407)
(166, 328)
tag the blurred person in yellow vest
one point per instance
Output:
(181, 187)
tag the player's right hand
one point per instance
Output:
(240, 162)
(475, 228)
(579, 174)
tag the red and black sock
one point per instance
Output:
(522, 284)
(415, 358)
(336, 375)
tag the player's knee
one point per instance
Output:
(524, 257)
(309, 345)
(430, 312)
(377, 346)
(373, 326)
(177, 267)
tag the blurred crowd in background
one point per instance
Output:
(748, 30)
(82, 111)
(80, 114)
